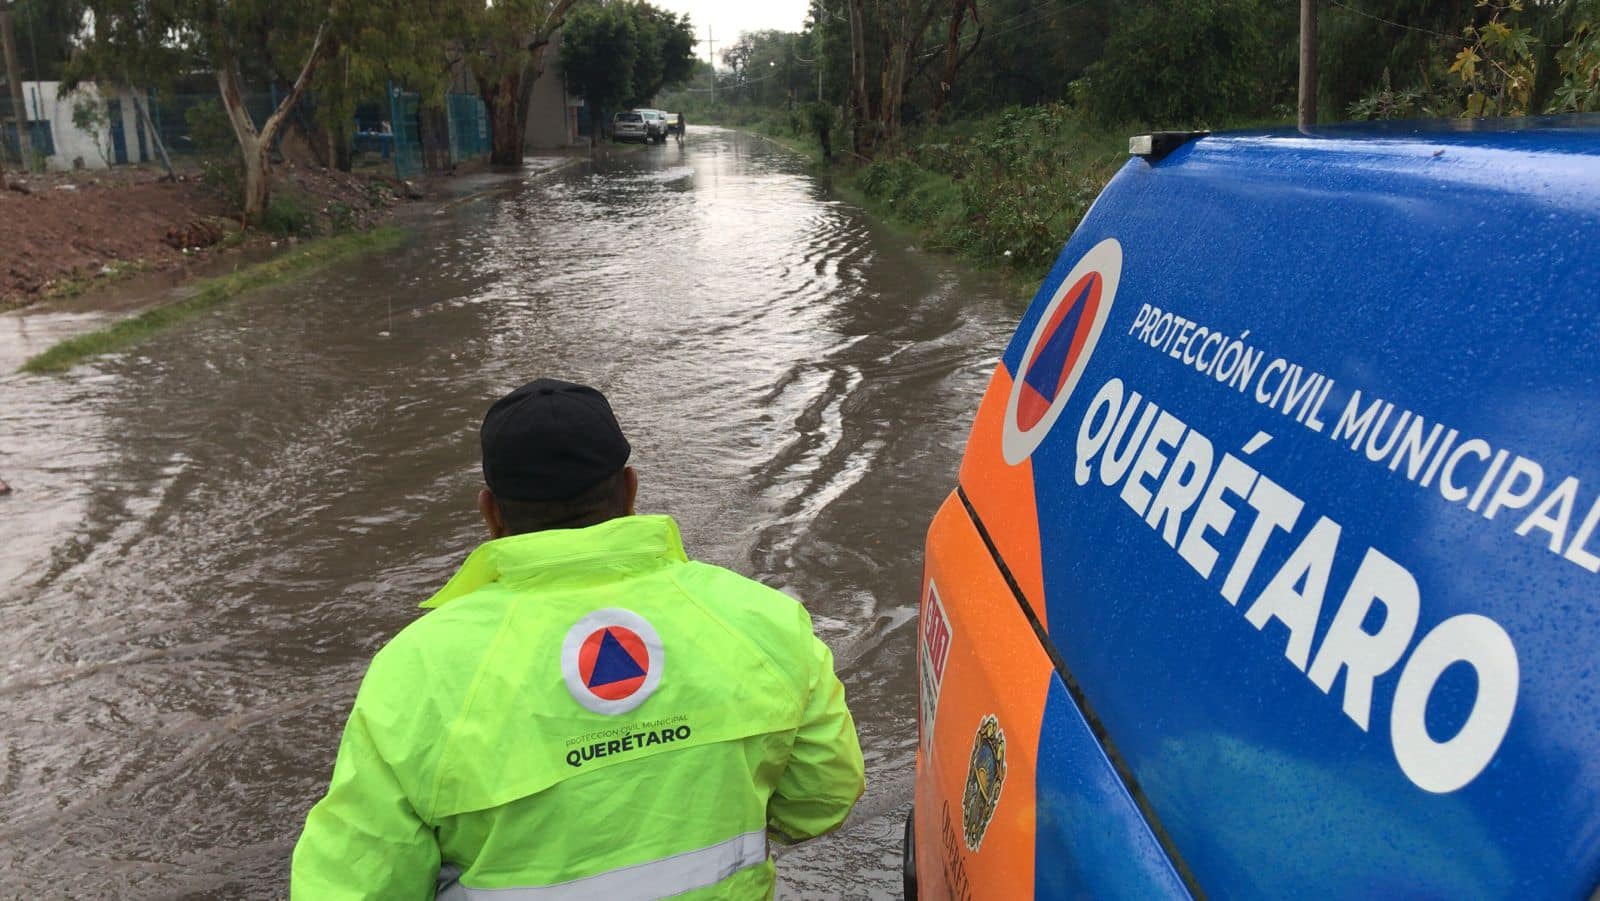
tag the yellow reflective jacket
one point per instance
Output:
(585, 713)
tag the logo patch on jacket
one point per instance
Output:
(612, 661)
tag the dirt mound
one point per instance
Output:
(68, 228)
(60, 229)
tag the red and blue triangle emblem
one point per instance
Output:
(613, 662)
(1058, 349)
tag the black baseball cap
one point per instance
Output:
(550, 440)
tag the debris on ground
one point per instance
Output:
(61, 229)
(202, 232)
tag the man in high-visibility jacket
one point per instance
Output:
(585, 712)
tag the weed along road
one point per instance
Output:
(211, 533)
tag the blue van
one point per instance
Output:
(1273, 568)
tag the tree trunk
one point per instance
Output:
(255, 146)
(257, 188)
(19, 107)
(904, 29)
(508, 98)
(858, 81)
(893, 91)
(952, 52)
(505, 138)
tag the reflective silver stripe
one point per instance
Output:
(659, 878)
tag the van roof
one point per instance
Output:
(1564, 134)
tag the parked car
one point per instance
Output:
(656, 124)
(672, 122)
(629, 126)
(1271, 569)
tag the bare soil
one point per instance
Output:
(62, 231)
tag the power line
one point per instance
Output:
(1401, 25)
(1033, 15)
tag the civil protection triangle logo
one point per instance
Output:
(1059, 349)
(612, 661)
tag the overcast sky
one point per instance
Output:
(729, 17)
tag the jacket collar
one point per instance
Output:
(615, 549)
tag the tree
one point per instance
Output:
(666, 50)
(372, 44)
(624, 54)
(49, 28)
(19, 108)
(149, 41)
(1219, 61)
(954, 55)
(507, 41)
(598, 50)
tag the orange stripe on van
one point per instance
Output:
(1003, 495)
(995, 668)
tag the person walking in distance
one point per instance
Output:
(682, 127)
(584, 711)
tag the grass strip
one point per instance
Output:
(213, 292)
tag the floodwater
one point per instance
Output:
(211, 535)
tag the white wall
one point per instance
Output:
(46, 101)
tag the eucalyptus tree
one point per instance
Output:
(152, 42)
(505, 46)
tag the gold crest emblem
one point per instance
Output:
(986, 775)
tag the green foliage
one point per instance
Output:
(624, 54)
(1009, 188)
(1579, 62)
(375, 42)
(341, 218)
(1030, 51)
(288, 215)
(51, 28)
(1494, 72)
(764, 68)
(818, 120)
(599, 47)
(89, 116)
(1190, 62)
(1385, 102)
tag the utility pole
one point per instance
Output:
(1308, 63)
(712, 52)
(19, 108)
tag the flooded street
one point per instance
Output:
(211, 535)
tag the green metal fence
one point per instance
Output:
(469, 127)
(404, 109)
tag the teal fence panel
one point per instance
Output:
(407, 126)
(469, 127)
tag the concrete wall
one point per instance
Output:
(552, 115)
(45, 101)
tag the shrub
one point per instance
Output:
(1009, 188)
(287, 215)
(341, 218)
